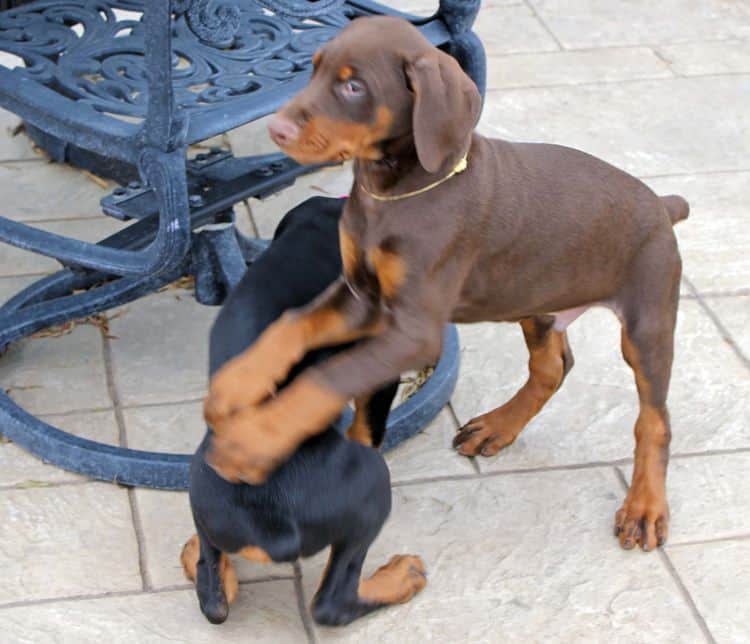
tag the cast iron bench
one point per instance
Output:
(123, 87)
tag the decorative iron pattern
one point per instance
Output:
(93, 50)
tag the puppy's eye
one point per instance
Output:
(352, 88)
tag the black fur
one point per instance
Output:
(332, 491)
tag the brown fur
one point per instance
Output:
(526, 232)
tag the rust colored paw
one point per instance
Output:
(640, 524)
(249, 447)
(232, 389)
(481, 437)
(230, 462)
(396, 582)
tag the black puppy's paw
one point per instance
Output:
(216, 609)
(329, 613)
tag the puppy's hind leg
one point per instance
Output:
(550, 359)
(649, 316)
(343, 596)
(214, 577)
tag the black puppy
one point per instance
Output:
(333, 491)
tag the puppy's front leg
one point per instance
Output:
(335, 317)
(252, 443)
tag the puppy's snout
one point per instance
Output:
(283, 131)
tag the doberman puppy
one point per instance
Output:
(445, 224)
(332, 491)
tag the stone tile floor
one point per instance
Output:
(519, 547)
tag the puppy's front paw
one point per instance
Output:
(247, 449)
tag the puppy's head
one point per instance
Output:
(379, 80)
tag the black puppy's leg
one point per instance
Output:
(214, 577)
(371, 415)
(343, 596)
(336, 602)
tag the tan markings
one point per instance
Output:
(360, 430)
(254, 553)
(630, 352)
(324, 139)
(345, 73)
(390, 269)
(316, 58)
(189, 557)
(349, 251)
(396, 582)
(228, 579)
(489, 433)
(643, 518)
(252, 376)
(252, 443)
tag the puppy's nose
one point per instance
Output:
(282, 130)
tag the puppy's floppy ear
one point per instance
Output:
(446, 107)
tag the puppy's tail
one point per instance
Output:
(676, 208)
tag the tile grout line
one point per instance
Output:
(678, 456)
(544, 24)
(622, 81)
(597, 48)
(130, 593)
(672, 571)
(146, 583)
(45, 484)
(457, 424)
(251, 217)
(723, 331)
(499, 473)
(302, 604)
(717, 295)
(701, 542)
(686, 595)
(689, 173)
(655, 50)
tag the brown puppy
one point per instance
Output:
(444, 224)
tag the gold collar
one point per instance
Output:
(462, 164)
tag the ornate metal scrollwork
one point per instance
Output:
(214, 22)
(93, 50)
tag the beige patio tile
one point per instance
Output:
(518, 558)
(589, 23)
(512, 29)
(67, 540)
(161, 351)
(572, 67)
(16, 146)
(709, 497)
(57, 374)
(715, 575)
(642, 127)
(734, 313)
(174, 428)
(428, 454)
(591, 417)
(715, 237)
(167, 524)
(18, 467)
(41, 191)
(265, 612)
(722, 57)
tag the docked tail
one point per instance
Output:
(676, 207)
